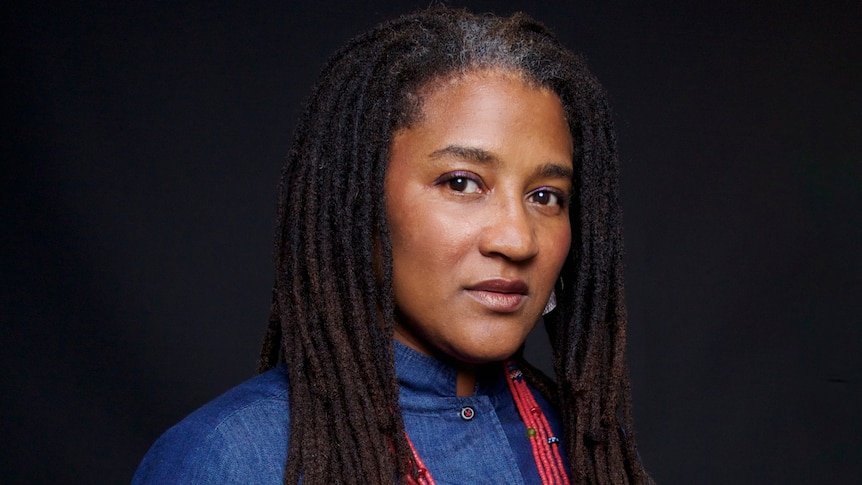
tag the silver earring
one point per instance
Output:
(552, 301)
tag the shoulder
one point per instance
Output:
(242, 434)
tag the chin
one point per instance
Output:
(485, 353)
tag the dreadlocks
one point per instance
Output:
(333, 309)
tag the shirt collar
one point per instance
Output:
(421, 374)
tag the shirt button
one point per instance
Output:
(468, 413)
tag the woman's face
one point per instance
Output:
(476, 194)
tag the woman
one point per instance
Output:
(453, 178)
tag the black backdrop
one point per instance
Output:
(142, 144)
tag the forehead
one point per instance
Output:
(487, 119)
(489, 100)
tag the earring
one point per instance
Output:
(552, 301)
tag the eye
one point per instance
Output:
(548, 197)
(463, 182)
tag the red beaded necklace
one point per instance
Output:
(545, 447)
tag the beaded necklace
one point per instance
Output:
(545, 447)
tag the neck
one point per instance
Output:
(466, 381)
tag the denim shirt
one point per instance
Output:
(241, 437)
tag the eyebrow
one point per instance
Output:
(474, 154)
(470, 153)
(554, 170)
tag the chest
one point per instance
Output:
(473, 440)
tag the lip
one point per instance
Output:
(500, 295)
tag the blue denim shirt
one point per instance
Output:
(241, 437)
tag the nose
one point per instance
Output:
(509, 232)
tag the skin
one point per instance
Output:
(476, 193)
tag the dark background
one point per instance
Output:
(142, 144)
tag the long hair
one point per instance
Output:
(333, 308)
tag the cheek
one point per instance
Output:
(430, 239)
(558, 245)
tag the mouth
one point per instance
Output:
(500, 295)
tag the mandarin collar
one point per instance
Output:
(424, 375)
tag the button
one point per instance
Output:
(468, 413)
